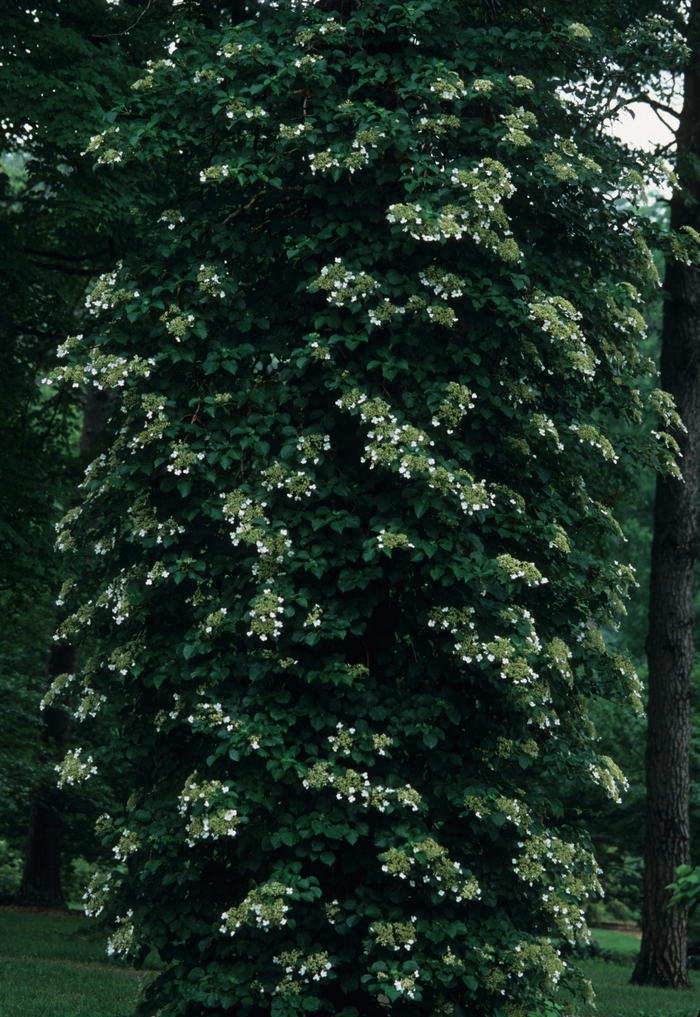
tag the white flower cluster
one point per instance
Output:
(265, 906)
(514, 665)
(204, 76)
(307, 62)
(294, 132)
(297, 968)
(440, 871)
(296, 485)
(331, 27)
(265, 621)
(320, 162)
(103, 371)
(182, 458)
(407, 446)
(518, 124)
(393, 540)
(96, 894)
(100, 297)
(230, 49)
(546, 428)
(116, 594)
(342, 285)
(441, 282)
(121, 940)
(252, 527)
(319, 352)
(72, 769)
(209, 281)
(212, 715)
(248, 512)
(356, 787)
(385, 312)
(105, 544)
(406, 986)
(89, 705)
(389, 437)
(313, 619)
(590, 434)
(437, 125)
(448, 874)
(558, 318)
(145, 522)
(610, 777)
(459, 400)
(128, 844)
(158, 571)
(521, 82)
(366, 138)
(213, 173)
(442, 315)
(256, 113)
(516, 569)
(156, 421)
(448, 87)
(58, 685)
(311, 446)
(548, 860)
(220, 823)
(488, 183)
(343, 741)
(173, 216)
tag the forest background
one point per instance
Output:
(58, 235)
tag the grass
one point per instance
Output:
(615, 997)
(57, 966)
(619, 943)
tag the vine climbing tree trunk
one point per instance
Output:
(662, 959)
(41, 876)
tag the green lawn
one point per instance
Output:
(615, 997)
(56, 966)
(616, 942)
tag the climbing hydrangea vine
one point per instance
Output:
(345, 564)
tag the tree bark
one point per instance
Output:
(670, 642)
(41, 876)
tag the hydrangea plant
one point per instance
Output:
(376, 371)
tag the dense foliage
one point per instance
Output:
(346, 563)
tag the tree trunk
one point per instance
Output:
(662, 960)
(41, 877)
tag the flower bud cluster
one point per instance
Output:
(73, 769)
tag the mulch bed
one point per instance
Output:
(67, 913)
(630, 928)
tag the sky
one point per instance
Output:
(643, 129)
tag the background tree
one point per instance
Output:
(670, 642)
